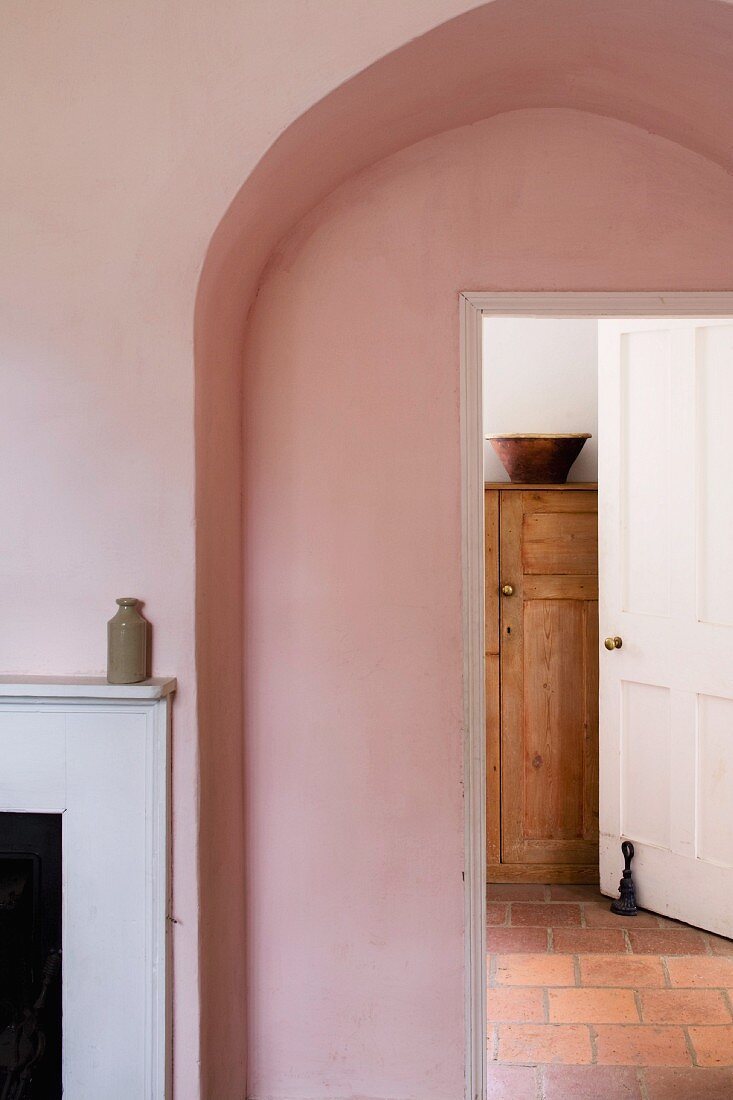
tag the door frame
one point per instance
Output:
(473, 305)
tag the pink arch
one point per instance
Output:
(663, 65)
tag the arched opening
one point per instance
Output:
(571, 191)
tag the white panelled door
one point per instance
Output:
(666, 590)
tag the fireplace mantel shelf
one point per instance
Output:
(84, 687)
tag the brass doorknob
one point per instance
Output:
(613, 643)
(507, 590)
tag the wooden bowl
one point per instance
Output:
(538, 459)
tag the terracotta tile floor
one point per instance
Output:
(585, 1005)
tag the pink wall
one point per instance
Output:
(661, 64)
(127, 129)
(353, 698)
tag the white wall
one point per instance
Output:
(541, 375)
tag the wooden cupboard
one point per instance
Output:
(541, 560)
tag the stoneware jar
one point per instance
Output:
(127, 644)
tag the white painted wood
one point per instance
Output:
(33, 753)
(474, 743)
(665, 531)
(83, 687)
(646, 742)
(647, 523)
(715, 780)
(103, 764)
(714, 391)
(552, 304)
(602, 303)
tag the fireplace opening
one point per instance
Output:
(30, 959)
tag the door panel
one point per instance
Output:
(554, 718)
(646, 721)
(549, 684)
(665, 531)
(560, 542)
(647, 451)
(715, 780)
(714, 393)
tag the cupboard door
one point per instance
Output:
(549, 678)
(491, 658)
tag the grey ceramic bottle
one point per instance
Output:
(127, 644)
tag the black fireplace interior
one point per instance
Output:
(30, 960)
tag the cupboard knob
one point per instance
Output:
(507, 590)
(613, 643)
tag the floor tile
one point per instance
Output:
(515, 1005)
(496, 912)
(591, 1083)
(641, 1045)
(600, 916)
(593, 1006)
(548, 1043)
(684, 1006)
(665, 942)
(556, 915)
(576, 893)
(535, 970)
(568, 982)
(515, 891)
(510, 1082)
(688, 1084)
(605, 941)
(701, 970)
(719, 945)
(713, 1045)
(500, 941)
(634, 971)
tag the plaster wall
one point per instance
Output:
(541, 375)
(127, 130)
(352, 589)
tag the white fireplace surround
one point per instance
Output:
(98, 754)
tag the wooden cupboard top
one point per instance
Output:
(505, 485)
